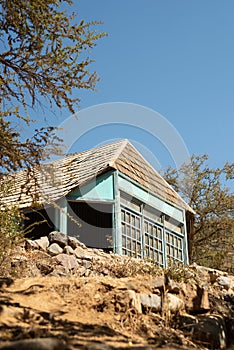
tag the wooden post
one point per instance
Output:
(164, 243)
(56, 218)
(63, 215)
(117, 232)
(185, 242)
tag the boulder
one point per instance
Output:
(151, 301)
(80, 253)
(74, 242)
(87, 264)
(69, 262)
(135, 300)
(174, 303)
(54, 249)
(58, 237)
(29, 244)
(42, 242)
(224, 282)
(68, 250)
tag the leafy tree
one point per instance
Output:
(44, 58)
(205, 190)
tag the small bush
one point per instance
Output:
(11, 232)
(178, 272)
(123, 266)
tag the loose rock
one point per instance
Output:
(135, 300)
(81, 254)
(174, 303)
(68, 250)
(42, 242)
(225, 282)
(151, 301)
(58, 237)
(55, 249)
(74, 243)
(69, 262)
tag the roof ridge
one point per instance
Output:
(119, 151)
(80, 153)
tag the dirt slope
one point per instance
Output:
(101, 310)
(86, 312)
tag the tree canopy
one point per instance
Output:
(206, 190)
(44, 58)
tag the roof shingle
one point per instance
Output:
(56, 179)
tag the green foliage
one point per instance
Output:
(45, 58)
(17, 154)
(11, 231)
(44, 52)
(206, 191)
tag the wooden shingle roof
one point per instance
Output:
(58, 178)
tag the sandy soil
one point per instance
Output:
(84, 312)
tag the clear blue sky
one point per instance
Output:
(174, 56)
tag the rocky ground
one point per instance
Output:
(67, 296)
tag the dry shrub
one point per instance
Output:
(11, 231)
(123, 266)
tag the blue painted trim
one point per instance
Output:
(147, 197)
(142, 231)
(164, 244)
(185, 240)
(56, 218)
(63, 215)
(99, 189)
(117, 217)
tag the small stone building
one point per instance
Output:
(108, 197)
